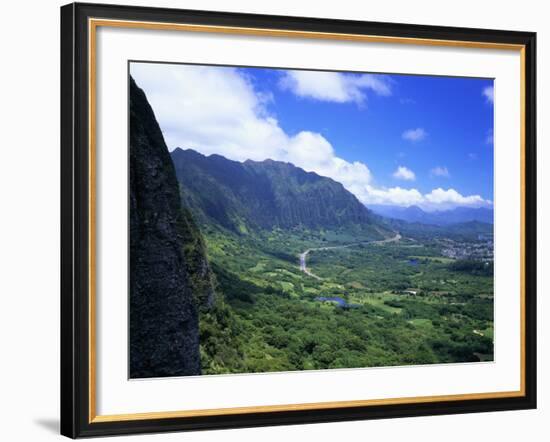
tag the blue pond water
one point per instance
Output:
(341, 302)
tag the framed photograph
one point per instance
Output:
(274, 220)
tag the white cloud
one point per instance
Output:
(334, 86)
(403, 173)
(394, 196)
(489, 94)
(437, 199)
(218, 110)
(440, 172)
(450, 198)
(414, 134)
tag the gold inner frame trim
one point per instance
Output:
(93, 24)
(298, 34)
(298, 407)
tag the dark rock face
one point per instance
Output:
(164, 333)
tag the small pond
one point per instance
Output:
(341, 302)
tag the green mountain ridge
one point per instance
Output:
(265, 195)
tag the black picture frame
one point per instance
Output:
(75, 220)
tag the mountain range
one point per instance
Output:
(414, 214)
(250, 195)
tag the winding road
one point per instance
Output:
(303, 255)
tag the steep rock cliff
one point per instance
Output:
(164, 331)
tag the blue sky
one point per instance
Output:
(390, 139)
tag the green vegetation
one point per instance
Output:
(408, 304)
(473, 267)
(369, 303)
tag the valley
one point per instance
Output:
(378, 303)
(307, 278)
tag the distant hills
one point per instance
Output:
(414, 214)
(466, 231)
(251, 195)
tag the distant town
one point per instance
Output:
(480, 250)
